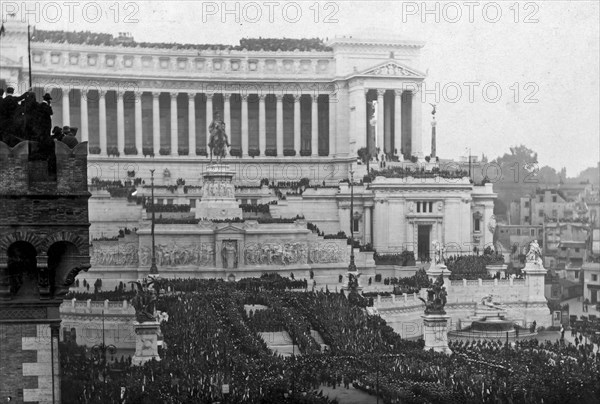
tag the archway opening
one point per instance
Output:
(22, 269)
(62, 259)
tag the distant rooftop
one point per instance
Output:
(126, 40)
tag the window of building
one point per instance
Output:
(254, 201)
(527, 219)
(563, 248)
(541, 213)
(477, 225)
(418, 207)
(540, 231)
(595, 278)
(554, 213)
(169, 201)
(355, 224)
(430, 207)
(192, 203)
(244, 201)
(526, 204)
(576, 274)
(532, 232)
(160, 201)
(518, 232)
(577, 250)
(554, 199)
(541, 199)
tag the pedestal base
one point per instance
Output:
(218, 195)
(146, 342)
(435, 332)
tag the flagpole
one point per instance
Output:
(29, 52)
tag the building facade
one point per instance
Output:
(291, 114)
(306, 107)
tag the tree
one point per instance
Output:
(518, 175)
(364, 156)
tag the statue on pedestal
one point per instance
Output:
(144, 302)
(218, 139)
(440, 252)
(436, 297)
(534, 254)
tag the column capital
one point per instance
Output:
(102, 93)
(138, 94)
(398, 92)
(262, 97)
(173, 96)
(120, 94)
(209, 96)
(279, 97)
(366, 90)
(380, 92)
(226, 96)
(191, 96)
(66, 90)
(156, 94)
(244, 97)
(297, 97)
(315, 98)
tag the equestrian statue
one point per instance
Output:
(218, 141)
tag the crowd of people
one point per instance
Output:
(250, 44)
(211, 340)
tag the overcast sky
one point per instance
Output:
(543, 56)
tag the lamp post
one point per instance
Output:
(153, 268)
(352, 266)
(99, 353)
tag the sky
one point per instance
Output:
(503, 73)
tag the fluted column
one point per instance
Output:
(398, 121)
(209, 118)
(174, 126)
(416, 124)
(367, 224)
(66, 113)
(262, 121)
(139, 144)
(314, 121)
(102, 121)
(227, 114)
(279, 125)
(380, 120)
(120, 124)
(155, 123)
(192, 124)
(332, 125)
(244, 125)
(84, 117)
(297, 117)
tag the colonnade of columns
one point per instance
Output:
(386, 114)
(191, 116)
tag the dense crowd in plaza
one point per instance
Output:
(211, 340)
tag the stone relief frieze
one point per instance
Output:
(219, 189)
(275, 253)
(391, 69)
(114, 255)
(326, 252)
(174, 255)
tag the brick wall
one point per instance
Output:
(12, 357)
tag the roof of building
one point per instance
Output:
(250, 44)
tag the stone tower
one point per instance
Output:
(44, 244)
